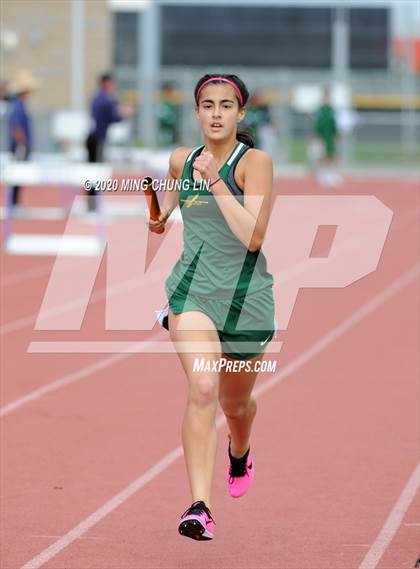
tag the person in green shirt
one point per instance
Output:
(257, 116)
(220, 301)
(325, 130)
(169, 115)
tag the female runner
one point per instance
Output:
(219, 291)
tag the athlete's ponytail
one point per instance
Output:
(242, 95)
(245, 137)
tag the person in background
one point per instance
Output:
(257, 117)
(19, 124)
(4, 105)
(169, 115)
(325, 131)
(104, 111)
(4, 92)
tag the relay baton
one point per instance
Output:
(152, 201)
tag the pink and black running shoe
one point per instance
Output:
(240, 473)
(197, 522)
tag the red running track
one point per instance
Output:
(335, 439)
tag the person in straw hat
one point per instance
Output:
(20, 137)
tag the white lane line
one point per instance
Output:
(115, 290)
(158, 347)
(107, 508)
(172, 456)
(55, 537)
(67, 380)
(63, 381)
(102, 293)
(393, 522)
(336, 332)
(404, 280)
(39, 271)
(18, 324)
(22, 276)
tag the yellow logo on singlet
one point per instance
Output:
(194, 201)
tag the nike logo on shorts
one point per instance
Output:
(265, 341)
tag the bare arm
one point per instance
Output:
(248, 222)
(170, 200)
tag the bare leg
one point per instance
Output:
(199, 436)
(238, 406)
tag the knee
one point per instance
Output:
(204, 393)
(237, 409)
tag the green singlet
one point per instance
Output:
(216, 273)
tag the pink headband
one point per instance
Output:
(231, 83)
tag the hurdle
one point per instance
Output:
(68, 176)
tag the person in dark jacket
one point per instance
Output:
(104, 111)
(19, 123)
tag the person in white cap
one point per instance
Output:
(20, 136)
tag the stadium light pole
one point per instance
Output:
(148, 67)
(340, 54)
(77, 54)
(341, 60)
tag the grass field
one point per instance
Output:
(366, 153)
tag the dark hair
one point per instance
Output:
(166, 85)
(105, 77)
(246, 137)
(241, 134)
